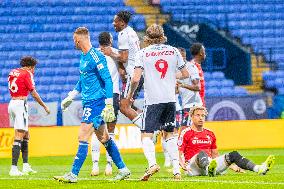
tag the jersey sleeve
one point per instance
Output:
(193, 71)
(101, 66)
(213, 145)
(123, 41)
(138, 60)
(182, 140)
(29, 81)
(180, 62)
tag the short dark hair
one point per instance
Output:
(104, 38)
(124, 16)
(195, 48)
(27, 61)
(181, 49)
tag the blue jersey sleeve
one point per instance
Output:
(103, 71)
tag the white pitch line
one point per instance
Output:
(157, 180)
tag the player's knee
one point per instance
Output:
(202, 159)
(103, 139)
(233, 157)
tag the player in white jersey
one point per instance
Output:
(189, 90)
(128, 45)
(105, 41)
(158, 63)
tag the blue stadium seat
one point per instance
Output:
(218, 75)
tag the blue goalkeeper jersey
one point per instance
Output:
(95, 80)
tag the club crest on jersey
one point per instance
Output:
(100, 66)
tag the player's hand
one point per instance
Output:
(47, 110)
(108, 113)
(66, 103)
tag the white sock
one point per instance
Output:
(138, 121)
(166, 154)
(95, 150)
(172, 148)
(108, 158)
(149, 150)
(221, 164)
(256, 168)
(14, 167)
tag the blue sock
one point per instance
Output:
(114, 153)
(80, 157)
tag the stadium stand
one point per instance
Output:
(258, 23)
(44, 29)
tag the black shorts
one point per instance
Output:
(126, 88)
(159, 117)
(186, 121)
(115, 105)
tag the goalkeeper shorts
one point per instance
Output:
(92, 112)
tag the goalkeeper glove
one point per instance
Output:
(108, 112)
(68, 100)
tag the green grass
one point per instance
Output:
(47, 167)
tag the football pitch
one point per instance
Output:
(47, 167)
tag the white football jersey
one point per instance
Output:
(190, 98)
(113, 70)
(128, 40)
(159, 63)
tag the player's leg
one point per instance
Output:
(168, 121)
(193, 168)
(113, 151)
(151, 121)
(126, 108)
(27, 169)
(167, 162)
(95, 146)
(18, 118)
(111, 128)
(85, 131)
(246, 164)
(91, 116)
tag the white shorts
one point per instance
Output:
(18, 113)
(126, 88)
(194, 170)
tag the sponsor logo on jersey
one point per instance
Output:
(100, 66)
(160, 53)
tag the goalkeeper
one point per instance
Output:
(96, 88)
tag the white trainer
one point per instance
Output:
(108, 170)
(14, 172)
(95, 171)
(27, 169)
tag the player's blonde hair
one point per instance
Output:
(154, 35)
(82, 31)
(194, 108)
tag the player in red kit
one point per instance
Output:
(21, 83)
(197, 51)
(199, 154)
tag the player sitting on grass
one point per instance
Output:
(199, 154)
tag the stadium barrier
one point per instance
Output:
(59, 141)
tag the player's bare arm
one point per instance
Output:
(194, 87)
(37, 98)
(182, 74)
(134, 82)
(214, 153)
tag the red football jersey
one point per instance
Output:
(20, 82)
(202, 83)
(191, 142)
